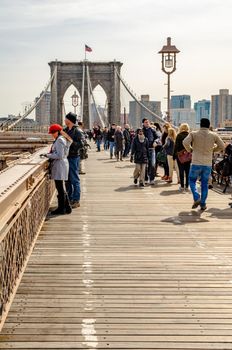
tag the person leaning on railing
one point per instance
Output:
(60, 166)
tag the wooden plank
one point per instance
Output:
(129, 269)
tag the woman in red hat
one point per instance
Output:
(60, 166)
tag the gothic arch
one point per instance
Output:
(71, 73)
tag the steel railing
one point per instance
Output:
(24, 204)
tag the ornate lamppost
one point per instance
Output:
(169, 53)
(75, 100)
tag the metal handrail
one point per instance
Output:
(24, 203)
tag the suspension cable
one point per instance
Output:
(83, 91)
(94, 102)
(31, 109)
(136, 99)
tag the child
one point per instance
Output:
(140, 153)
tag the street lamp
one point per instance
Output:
(75, 100)
(168, 52)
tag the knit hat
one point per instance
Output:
(72, 117)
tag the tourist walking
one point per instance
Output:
(169, 149)
(163, 140)
(182, 157)
(73, 184)
(98, 137)
(118, 139)
(140, 155)
(127, 140)
(152, 136)
(202, 143)
(59, 167)
(110, 138)
(105, 138)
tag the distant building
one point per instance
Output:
(42, 111)
(183, 115)
(181, 101)
(137, 113)
(202, 109)
(221, 108)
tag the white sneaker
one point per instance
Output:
(152, 182)
(181, 189)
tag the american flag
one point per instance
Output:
(88, 49)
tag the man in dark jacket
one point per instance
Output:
(111, 140)
(140, 152)
(127, 140)
(73, 184)
(151, 135)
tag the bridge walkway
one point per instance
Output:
(131, 269)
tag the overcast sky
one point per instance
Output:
(34, 32)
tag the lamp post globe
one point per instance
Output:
(168, 53)
(75, 101)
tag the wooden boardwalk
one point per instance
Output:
(131, 269)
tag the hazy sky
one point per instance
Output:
(34, 32)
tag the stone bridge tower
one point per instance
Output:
(71, 73)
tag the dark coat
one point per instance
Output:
(151, 135)
(140, 151)
(78, 141)
(126, 134)
(179, 143)
(118, 139)
(110, 136)
(169, 146)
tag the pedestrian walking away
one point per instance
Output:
(202, 143)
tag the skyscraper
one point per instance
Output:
(42, 112)
(202, 109)
(181, 101)
(221, 108)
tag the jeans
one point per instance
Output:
(112, 145)
(150, 171)
(98, 142)
(106, 145)
(73, 184)
(201, 172)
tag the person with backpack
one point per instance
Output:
(140, 155)
(202, 144)
(73, 183)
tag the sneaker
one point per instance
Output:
(82, 173)
(187, 190)
(135, 181)
(203, 207)
(181, 189)
(196, 204)
(141, 184)
(210, 187)
(75, 204)
(152, 182)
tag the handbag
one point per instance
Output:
(161, 156)
(184, 156)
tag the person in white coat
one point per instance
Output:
(60, 166)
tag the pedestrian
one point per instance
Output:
(73, 184)
(98, 137)
(105, 138)
(152, 136)
(158, 145)
(169, 149)
(183, 164)
(202, 143)
(118, 139)
(127, 140)
(111, 140)
(59, 167)
(140, 155)
(166, 126)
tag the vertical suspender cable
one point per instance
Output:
(94, 102)
(83, 91)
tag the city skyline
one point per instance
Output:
(36, 32)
